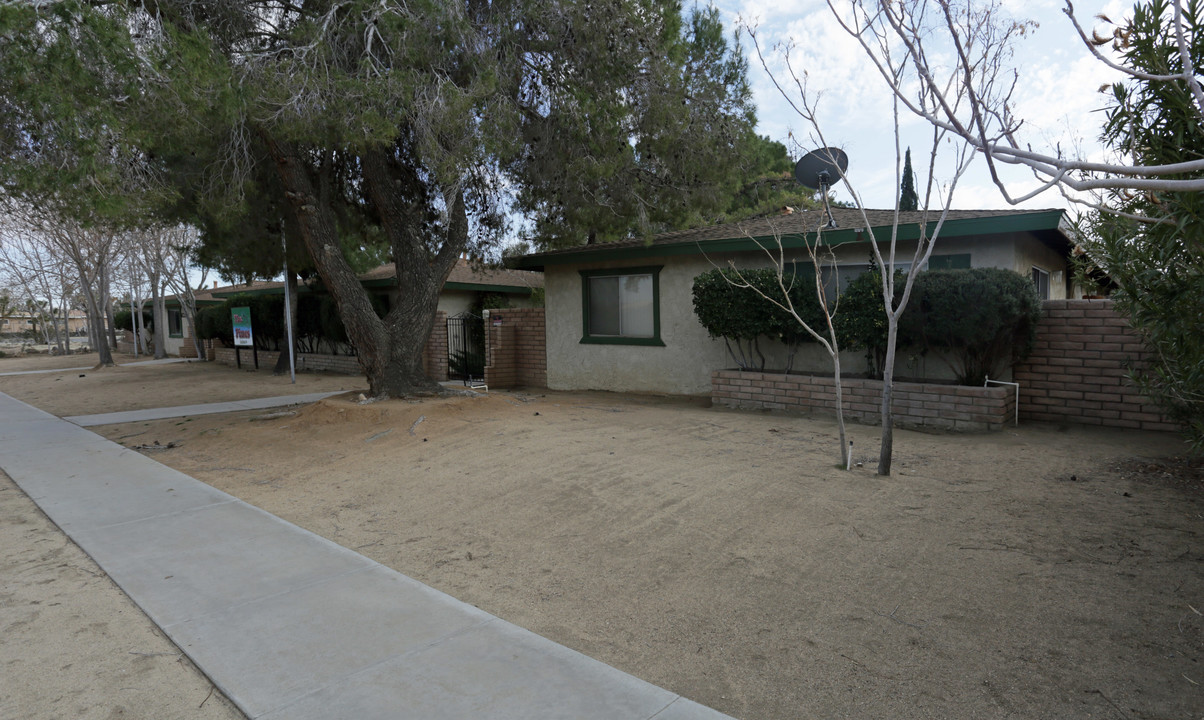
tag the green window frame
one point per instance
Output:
(616, 304)
(175, 323)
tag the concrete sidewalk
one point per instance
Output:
(205, 409)
(289, 624)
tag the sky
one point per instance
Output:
(1057, 94)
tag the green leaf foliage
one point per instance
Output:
(1157, 267)
(743, 315)
(861, 318)
(124, 320)
(909, 199)
(983, 318)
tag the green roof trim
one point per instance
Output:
(478, 287)
(991, 225)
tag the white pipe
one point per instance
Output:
(1013, 384)
(848, 463)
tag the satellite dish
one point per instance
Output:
(820, 168)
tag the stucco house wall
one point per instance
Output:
(685, 361)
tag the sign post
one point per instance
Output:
(240, 318)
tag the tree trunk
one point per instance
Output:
(97, 323)
(139, 328)
(845, 450)
(107, 306)
(389, 350)
(159, 320)
(886, 450)
(290, 317)
(66, 327)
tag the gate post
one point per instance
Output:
(434, 359)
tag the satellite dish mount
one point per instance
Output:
(818, 169)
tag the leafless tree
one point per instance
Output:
(90, 252)
(821, 257)
(179, 243)
(972, 98)
(937, 198)
(42, 283)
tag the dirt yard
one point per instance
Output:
(1038, 572)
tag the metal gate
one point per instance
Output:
(466, 347)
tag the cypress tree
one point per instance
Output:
(908, 199)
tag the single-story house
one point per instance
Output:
(620, 316)
(465, 288)
(16, 321)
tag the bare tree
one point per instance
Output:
(973, 98)
(937, 199)
(90, 252)
(44, 282)
(783, 297)
(155, 254)
(179, 243)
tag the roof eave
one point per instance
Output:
(1051, 220)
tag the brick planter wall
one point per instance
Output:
(925, 405)
(1078, 370)
(434, 359)
(344, 364)
(516, 351)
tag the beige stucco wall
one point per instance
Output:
(1031, 253)
(684, 364)
(454, 302)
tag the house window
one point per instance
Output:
(175, 324)
(949, 262)
(1041, 280)
(621, 307)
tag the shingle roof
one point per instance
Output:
(463, 273)
(796, 224)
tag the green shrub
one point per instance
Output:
(985, 318)
(214, 322)
(861, 318)
(124, 320)
(742, 316)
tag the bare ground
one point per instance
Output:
(74, 645)
(1035, 572)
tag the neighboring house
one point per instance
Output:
(19, 321)
(465, 288)
(16, 321)
(620, 316)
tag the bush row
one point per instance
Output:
(980, 319)
(318, 323)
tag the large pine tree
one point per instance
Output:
(421, 124)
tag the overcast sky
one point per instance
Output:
(1057, 94)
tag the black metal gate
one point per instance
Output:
(466, 347)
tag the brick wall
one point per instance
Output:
(930, 405)
(516, 351)
(434, 357)
(344, 364)
(1078, 370)
(434, 360)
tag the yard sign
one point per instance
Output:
(241, 318)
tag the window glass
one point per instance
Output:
(621, 305)
(604, 311)
(1041, 280)
(635, 303)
